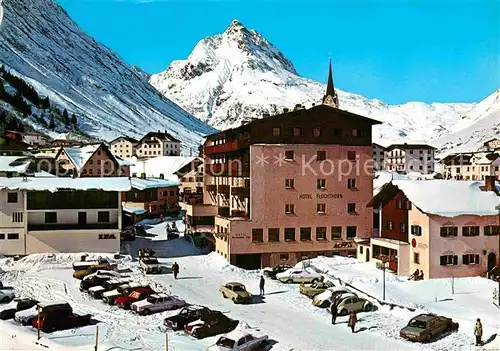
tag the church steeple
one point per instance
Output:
(330, 98)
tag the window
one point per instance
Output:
(449, 231)
(321, 208)
(470, 259)
(257, 235)
(289, 155)
(351, 207)
(320, 233)
(2, 236)
(336, 233)
(351, 155)
(399, 204)
(390, 225)
(321, 183)
(407, 205)
(289, 183)
(402, 227)
(297, 131)
(289, 209)
(165, 193)
(17, 217)
(276, 131)
(361, 249)
(171, 193)
(470, 231)
(273, 234)
(411, 152)
(351, 232)
(103, 217)
(416, 230)
(354, 132)
(289, 234)
(50, 217)
(283, 257)
(321, 155)
(491, 230)
(351, 183)
(316, 132)
(448, 260)
(12, 198)
(416, 258)
(305, 234)
(13, 236)
(336, 132)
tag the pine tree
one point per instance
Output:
(45, 103)
(20, 127)
(3, 120)
(73, 120)
(66, 117)
(52, 124)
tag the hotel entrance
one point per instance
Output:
(248, 261)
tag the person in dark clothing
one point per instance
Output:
(261, 285)
(353, 319)
(333, 309)
(478, 332)
(175, 270)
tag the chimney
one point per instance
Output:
(313, 104)
(286, 109)
(143, 175)
(489, 183)
(162, 176)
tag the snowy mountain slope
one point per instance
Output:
(482, 123)
(239, 74)
(40, 43)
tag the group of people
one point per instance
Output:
(417, 275)
(353, 317)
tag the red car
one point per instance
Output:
(136, 295)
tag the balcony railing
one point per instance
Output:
(223, 211)
(192, 199)
(240, 191)
(229, 146)
(233, 168)
(71, 226)
(239, 213)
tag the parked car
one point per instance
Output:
(237, 292)
(315, 288)
(157, 303)
(84, 265)
(92, 269)
(7, 294)
(350, 302)
(150, 265)
(59, 319)
(22, 304)
(299, 275)
(426, 326)
(271, 272)
(94, 280)
(97, 291)
(238, 340)
(136, 295)
(324, 299)
(26, 317)
(186, 315)
(109, 297)
(210, 325)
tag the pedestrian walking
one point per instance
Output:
(261, 285)
(478, 332)
(175, 269)
(161, 218)
(333, 309)
(353, 319)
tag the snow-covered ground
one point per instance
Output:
(287, 317)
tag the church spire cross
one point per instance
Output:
(330, 98)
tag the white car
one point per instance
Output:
(157, 303)
(351, 302)
(324, 299)
(238, 340)
(25, 317)
(98, 291)
(7, 294)
(109, 297)
(299, 275)
(103, 272)
(150, 265)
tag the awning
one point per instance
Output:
(134, 210)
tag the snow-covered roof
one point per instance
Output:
(384, 177)
(236, 335)
(450, 198)
(17, 164)
(166, 165)
(80, 155)
(53, 184)
(149, 183)
(123, 162)
(133, 210)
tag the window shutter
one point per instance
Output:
(465, 259)
(455, 231)
(443, 231)
(443, 260)
(455, 260)
(476, 258)
(487, 230)
(465, 231)
(419, 228)
(413, 229)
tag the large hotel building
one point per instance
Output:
(289, 186)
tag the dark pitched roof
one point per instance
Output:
(375, 144)
(410, 146)
(492, 157)
(159, 135)
(132, 140)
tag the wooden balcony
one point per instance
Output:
(241, 214)
(240, 191)
(229, 146)
(233, 168)
(192, 199)
(223, 189)
(223, 211)
(212, 188)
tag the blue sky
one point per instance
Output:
(393, 50)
